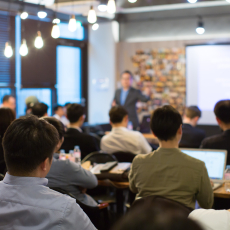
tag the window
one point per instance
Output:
(68, 74)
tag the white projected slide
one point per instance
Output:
(208, 78)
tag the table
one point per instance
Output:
(221, 193)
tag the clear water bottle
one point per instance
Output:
(130, 125)
(77, 154)
(62, 155)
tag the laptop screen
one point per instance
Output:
(214, 160)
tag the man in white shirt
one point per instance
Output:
(212, 219)
(121, 139)
(59, 113)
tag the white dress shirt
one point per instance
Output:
(124, 140)
(63, 119)
(26, 203)
(212, 219)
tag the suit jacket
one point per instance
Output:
(86, 142)
(191, 137)
(220, 141)
(133, 96)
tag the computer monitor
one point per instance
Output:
(215, 161)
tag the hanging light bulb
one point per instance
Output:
(200, 28)
(228, 1)
(56, 21)
(8, 52)
(72, 24)
(111, 7)
(23, 48)
(132, 1)
(103, 7)
(42, 13)
(38, 43)
(192, 1)
(24, 15)
(95, 26)
(92, 16)
(55, 31)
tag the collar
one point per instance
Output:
(56, 116)
(17, 180)
(119, 128)
(168, 150)
(226, 132)
(125, 90)
(187, 124)
(73, 127)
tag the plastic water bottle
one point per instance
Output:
(62, 155)
(130, 125)
(77, 154)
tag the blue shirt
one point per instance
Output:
(27, 204)
(124, 95)
(68, 176)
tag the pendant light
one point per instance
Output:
(8, 52)
(23, 14)
(111, 7)
(92, 16)
(55, 31)
(23, 48)
(200, 27)
(38, 43)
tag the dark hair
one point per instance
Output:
(57, 124)
(56, 107)
(192, 112)
(165, 122)
(222, 111)
(117, 113)
(7, 116)
(74, 112)
(27, 142)
(154, 217)
(6, 98)
(40, 109)
(128, 72)
(67, 103)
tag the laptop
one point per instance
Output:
(215, 162)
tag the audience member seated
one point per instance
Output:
(30, 102)
(40, 110)
(6, 117)
(9, 101)
(26, 203)
(120, 139)
(220, 141)
(212, 219)
(68, 175)
(59, 113)
(74, 135)
(168, 172)
(192, 136)
(155, 216)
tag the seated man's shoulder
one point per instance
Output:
(143, 158)
(208, 141)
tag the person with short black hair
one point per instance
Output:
(9, 101)
(40, 110)
(74, 135)
(69, 175)
(192, 136)
(59, 113)
(220, 141)
(29, 144)
(7, 116)
(120, 139)
(155, 215)
(127, 96)
(167, 171)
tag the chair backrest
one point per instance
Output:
(124, 156)
(163, 204)
(97, 139)
(99, 158)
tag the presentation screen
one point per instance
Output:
(207, 78)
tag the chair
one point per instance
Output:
(99, 158)
(124, 156)
(162, 204)
(97, 139)
(94, 213)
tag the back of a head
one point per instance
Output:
(40, 109)
(57, 124)
(74, 112)
(27, 143)
(222, 111)
(6, 98)
(165, 122)
(117, 113)
(192, 112)
(31, 99)
(146, 217)
(56, 107)
(7, 116)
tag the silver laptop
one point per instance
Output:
(215, 161)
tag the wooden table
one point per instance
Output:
(221, 193)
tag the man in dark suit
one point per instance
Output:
(127, 96)
(220, 141)
(74, 135)
(192, 136)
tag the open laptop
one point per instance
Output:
(215, 161)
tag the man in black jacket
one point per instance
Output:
(220, 141)
(74, 135)
(127, 96)
(192, 136)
